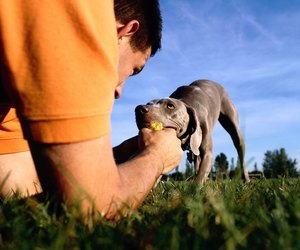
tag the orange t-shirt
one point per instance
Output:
(58, 69)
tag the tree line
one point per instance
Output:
(275, 164)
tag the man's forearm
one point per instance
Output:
(77, 171)
(139, 176)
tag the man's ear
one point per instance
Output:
(195, 130)
(127, 30)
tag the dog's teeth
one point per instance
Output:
(155, 125)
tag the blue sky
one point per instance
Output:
(252, 48)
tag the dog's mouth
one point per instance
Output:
(143, 121)
(144, 117)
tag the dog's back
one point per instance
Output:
(203, 95)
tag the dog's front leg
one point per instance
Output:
(206, 156)
(197, 163)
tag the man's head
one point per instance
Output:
(139, 26)
(148, 15)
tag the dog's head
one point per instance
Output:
(172, 113)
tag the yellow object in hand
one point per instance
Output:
(155, 125)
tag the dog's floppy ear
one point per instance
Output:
(195, 130)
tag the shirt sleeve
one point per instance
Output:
(11, 136)
(60, 67)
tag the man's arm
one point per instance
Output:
(86, 171)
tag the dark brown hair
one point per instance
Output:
(147, 13)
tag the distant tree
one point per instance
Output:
(255, 167)
(232, 168)
(276, 163)
(232, 164)
(221, 164)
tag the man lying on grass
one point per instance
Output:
(62, 64)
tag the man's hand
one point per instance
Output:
(164, 144)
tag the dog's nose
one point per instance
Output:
(142, 109)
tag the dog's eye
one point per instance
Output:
(170, 106)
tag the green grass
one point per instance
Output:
(264, 214)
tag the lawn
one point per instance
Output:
(264, 214)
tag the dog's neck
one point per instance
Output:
(185, 141)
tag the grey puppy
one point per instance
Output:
(193, 111)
